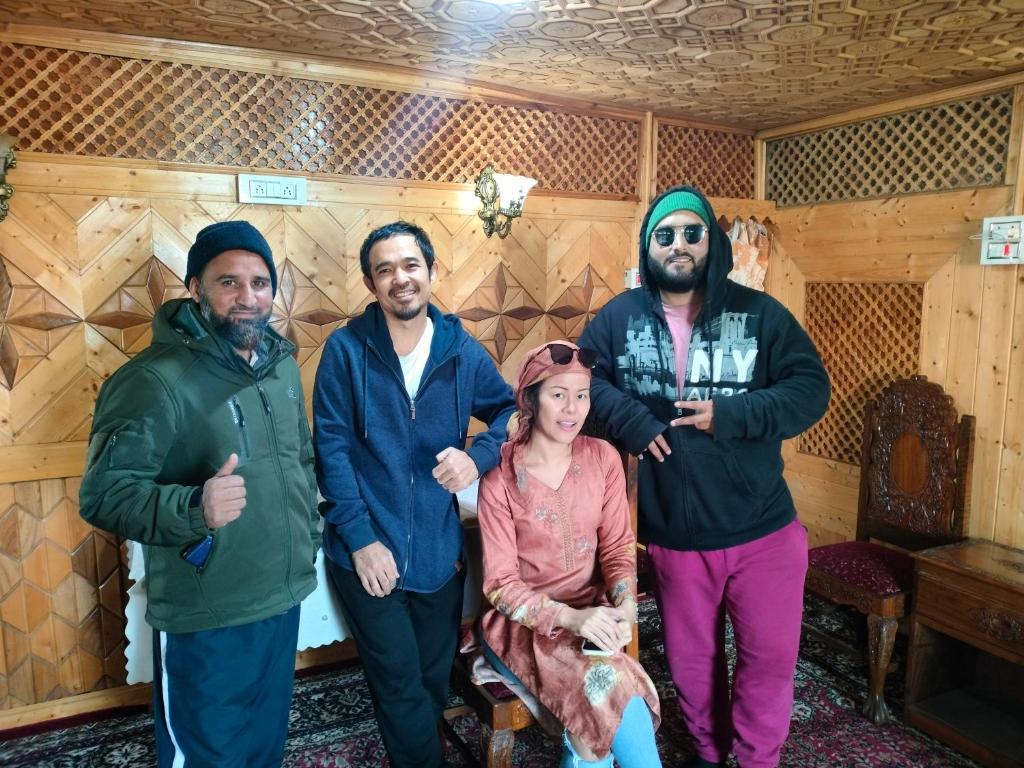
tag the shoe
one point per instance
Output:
(699, 762)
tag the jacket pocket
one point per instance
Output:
(100, 446)
(118, 448)
(719, 496)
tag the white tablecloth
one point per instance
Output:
(320, 619)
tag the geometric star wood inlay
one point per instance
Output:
(579, 303)
(32, 322)
(302, 313)
(125, 319)
(500, 313)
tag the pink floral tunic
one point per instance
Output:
(547, 548)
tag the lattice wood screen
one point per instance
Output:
(720, 164)
(68, 102)
(951, 146)
(869, 335)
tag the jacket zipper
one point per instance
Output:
(412, 478)
(269, 418)
(245, 449)
(110, 450)
(408, 534)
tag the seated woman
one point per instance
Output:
(560, 568)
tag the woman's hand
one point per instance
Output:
(604, 626)
(628, 607)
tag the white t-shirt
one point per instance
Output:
(414, 363)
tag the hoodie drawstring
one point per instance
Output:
(366, 390)
(458, 403)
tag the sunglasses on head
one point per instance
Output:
(561, 354)
(692, 234)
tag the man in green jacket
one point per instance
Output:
(200, 450)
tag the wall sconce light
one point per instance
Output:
(7, 160)
(502, 195)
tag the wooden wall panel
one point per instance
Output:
(868, 335)
(971, 335)
(84, 270)
(62, 593)
(145, 108)
(719, 163)
(896, 154)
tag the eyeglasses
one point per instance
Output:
(692, 234)
(561, 354)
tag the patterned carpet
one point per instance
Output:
(332, 722)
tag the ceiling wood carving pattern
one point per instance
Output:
(960, 145)
(68, 102)
(751, 63)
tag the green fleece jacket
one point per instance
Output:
(165, 422)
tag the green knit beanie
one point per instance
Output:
(672, 202)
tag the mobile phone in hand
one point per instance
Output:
(591, 649)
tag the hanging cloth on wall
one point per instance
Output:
(751, 248)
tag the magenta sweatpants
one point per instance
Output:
(760, 585)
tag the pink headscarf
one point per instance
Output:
(537, 365)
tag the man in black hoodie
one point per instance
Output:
(708, 377)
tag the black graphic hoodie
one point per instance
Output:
(748, 355)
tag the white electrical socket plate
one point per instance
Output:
(271, 190)
(1001, 241)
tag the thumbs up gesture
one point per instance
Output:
(224, 495)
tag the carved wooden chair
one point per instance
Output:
(914, 493)
(495, 705)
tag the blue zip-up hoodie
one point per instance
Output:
(376, 446)
(748, 355)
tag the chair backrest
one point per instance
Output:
(915, 467)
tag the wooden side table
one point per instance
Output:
(965, 675)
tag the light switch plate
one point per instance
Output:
(1001, 240)
(271, 190)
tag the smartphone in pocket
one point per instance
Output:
(198, 552)
(590, 649)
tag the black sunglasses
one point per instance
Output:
(561, 354)
(692, 234)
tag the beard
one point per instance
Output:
(408, 313)
(675, 282)
(239, 333)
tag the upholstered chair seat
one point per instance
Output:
(869, 566)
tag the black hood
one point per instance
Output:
(719, 255)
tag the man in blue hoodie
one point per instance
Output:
(708, 377)
(394, 394)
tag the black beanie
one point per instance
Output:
(213, 240)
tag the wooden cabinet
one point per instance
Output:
(965, 679)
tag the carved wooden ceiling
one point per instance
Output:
(747, 63)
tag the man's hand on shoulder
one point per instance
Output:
(455, 470)
(224, 495)
(658, 448)
(375, 566)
